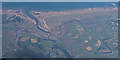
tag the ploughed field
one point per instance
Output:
(84, 33)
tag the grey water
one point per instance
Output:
(55, 6)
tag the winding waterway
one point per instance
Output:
(55, 46)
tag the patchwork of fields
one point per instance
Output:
(82, 33)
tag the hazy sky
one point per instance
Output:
(60, 0)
